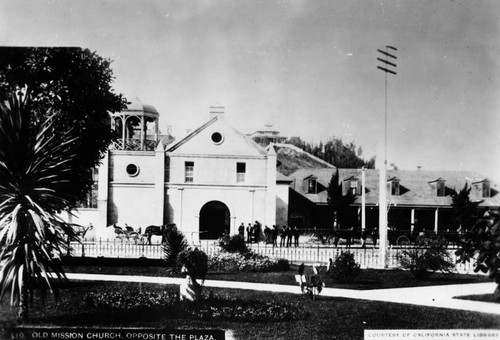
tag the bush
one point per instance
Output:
(131, 300)
(248, 262)
(195, 261)
(344, 269)
(167, 304)
(175, 243)
(425, 260)
(233, 244)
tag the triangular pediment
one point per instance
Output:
(214, 138)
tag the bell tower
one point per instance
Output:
(137, 127)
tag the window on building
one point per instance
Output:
(353, 187)
(189, 172)
(312, 187)
(486, 189)
(395, 188)
(240, 172)
(90, 200)
(441, 192)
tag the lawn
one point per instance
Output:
(330, 318)
(368, 279)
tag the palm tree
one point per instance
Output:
(34, 166)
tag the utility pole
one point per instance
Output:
(363, 201)
(388, 60)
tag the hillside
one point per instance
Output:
(291, 158)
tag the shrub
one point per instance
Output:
(195, 261)
(424, 260)
(131, 300)
(344, 268)
(233, 244)
(167, 304)
(175, 243)
(248, 262)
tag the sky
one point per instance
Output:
(309, 68)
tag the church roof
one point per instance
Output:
(214, 120)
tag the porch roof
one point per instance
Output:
(417, 187)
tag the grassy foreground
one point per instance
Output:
(330, 318)
(368, 279)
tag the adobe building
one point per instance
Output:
(416, 199)
(207, 183)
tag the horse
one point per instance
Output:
(158, 231)
(347, 234)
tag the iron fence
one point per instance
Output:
(306, 253)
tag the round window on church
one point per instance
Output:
(132, 170)
(217, 137)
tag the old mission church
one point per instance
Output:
(206, 183)
(216, 178)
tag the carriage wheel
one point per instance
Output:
(330, 239)
(403, 240)
(421, 241)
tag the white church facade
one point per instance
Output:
(207, 183)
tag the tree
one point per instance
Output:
(464, 210)
(482, 244)
(336, 152)
(175, 243)
(75, 82)
(338, 202)
(35, 170)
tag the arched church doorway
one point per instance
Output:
(214, 220)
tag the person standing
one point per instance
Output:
(257, 231)
(296, 235)
(267, 234)
(289, 234)
(274, 236)
(249, 233)
(283, 236)
(241, 231)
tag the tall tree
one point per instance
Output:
(464, 210)
(35, 170)
(77, 83)
(338, 201)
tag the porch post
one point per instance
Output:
(156, 130)
(124, 131)
(412, 225)
(142, 132)
(436, 215)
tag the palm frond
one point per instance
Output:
(35, 167)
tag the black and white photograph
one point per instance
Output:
(261, 169)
